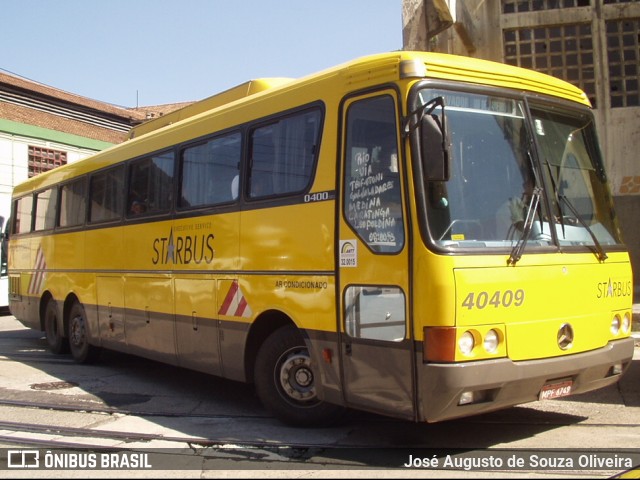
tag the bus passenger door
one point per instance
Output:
(376, 338)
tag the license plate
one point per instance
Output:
(556, 390)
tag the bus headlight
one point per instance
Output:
(491, 341)
(615, 325)
(626, 323)
(463, 344)
(466, 342)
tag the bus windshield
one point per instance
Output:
(581, 201)
(490, 192)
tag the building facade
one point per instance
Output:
(594, 44)
(42, 127)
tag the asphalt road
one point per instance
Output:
(163, 421)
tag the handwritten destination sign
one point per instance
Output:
(373, 203)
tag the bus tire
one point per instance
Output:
(284, 381)
(57, 343)
(81, 350)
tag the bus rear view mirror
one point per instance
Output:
(435, 148)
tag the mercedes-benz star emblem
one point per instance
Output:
(565, 337)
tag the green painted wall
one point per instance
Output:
(31, 131)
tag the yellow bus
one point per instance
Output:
(419, 235)
(4, 279)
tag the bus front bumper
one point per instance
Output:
(464, 389)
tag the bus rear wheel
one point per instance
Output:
(285, 381)
(57, 343)
(81, 350)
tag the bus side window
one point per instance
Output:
(151, 184)
(46, 205)
(209, 171)
(375, 313)
(107, 194)
(283, 155)
(22, 214)
(263, 159)
(72, 203)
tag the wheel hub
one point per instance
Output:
(296, 377)
(77, 331)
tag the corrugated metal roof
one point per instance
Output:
(33, 103)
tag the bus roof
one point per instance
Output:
(353, 75)
(243, 90)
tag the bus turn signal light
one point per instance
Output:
(451, 344)
(439, 344)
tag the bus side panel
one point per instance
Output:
(104, 255)
(197, 340)
(69, 258)
(324, 353)
(149, 319)
(287, 262)
(26, 279)
(110, 311)
(23, 307)
(289, 238)
(235, 312)
(104, 250)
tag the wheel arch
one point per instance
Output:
(264, 325)
(42, 307)
(68, 303)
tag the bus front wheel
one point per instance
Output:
(81, 350)
(285, 381)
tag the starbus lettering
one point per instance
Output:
(183, 249)
(614, 289)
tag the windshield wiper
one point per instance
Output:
(532, 208)
(602, 256)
